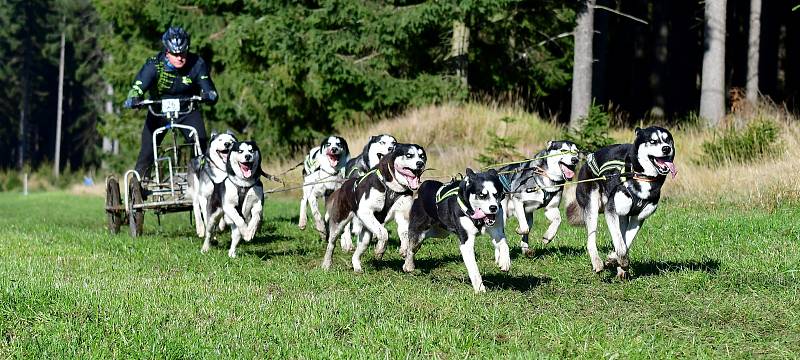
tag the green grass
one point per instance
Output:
(708, 282)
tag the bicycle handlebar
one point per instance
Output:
(184, 100)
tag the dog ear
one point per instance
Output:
(549, 144)
(637, 131)
(345, 147)
(470, 173)
(493, 172)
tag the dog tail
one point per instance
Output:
(574, 208)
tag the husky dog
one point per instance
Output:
(204, 172)
(628, 194)
(382, 194)
(376, 148)
(238, 200)
(323, 171)
(467, 208)
(538, 184)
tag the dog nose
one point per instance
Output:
(248, 157)
(666, 150)
(493, 208)
(574, 160)
(391, 148)
(227, 144)
(420, 164)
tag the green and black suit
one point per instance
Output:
(163, 81)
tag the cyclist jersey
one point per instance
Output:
(164, 81)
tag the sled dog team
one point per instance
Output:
(383, 183)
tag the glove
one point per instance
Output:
(210, 96)
(131, 102)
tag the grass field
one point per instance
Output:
(708, 282)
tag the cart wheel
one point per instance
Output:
(113, 201)
(135, 216)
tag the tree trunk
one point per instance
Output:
(25, 104)
(59, 110)
(460, 50)
(753, 47)
(712, 93)
(582, 67)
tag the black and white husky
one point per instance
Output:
(376, 148)
(239, 199)
(629, 194)
(538, 184)
(382, 194)
(468, 208)
(205, 171)
(323, 172)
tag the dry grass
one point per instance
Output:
(454, 135)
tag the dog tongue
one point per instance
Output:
(413, 182)
(246, 171)
(569, 174)
(478, 214)
(672, 169)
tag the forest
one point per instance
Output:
(289, 72)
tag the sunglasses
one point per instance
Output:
(183, 54)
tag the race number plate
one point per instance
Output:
(170, 105)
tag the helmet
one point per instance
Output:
(175, 40)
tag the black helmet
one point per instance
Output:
(175, 40)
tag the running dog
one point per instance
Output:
(238, 200)
(376, 148)
(382, 194)
(467, 208)
(204, 172)
(323, 172)
(628, 185)
(538, 184)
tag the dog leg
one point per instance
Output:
(209, 232)
(553, 214)
(301, 222)
(502, 255)
(347, 235)
(590, 215)
(198, 211)
(468, 254)
(319, 224)
(363, 243)
(335, 231)
(372, 224)
(523, 227)
(413, 239)
(523, 243)
(255, 220)
(236, 235)
(614, 222)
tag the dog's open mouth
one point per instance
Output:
(569, 172)
(223, 154)
(380, 156)
(490, 219)
(664, 166)
(333, 158)
(411, 176)
(247, 168)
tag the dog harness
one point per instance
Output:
(476, 217)
(637, 204)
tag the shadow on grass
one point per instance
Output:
(538, 253)
(655, 268)
(423, 266)
(511, 282)
(271, 254)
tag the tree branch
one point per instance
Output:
(621, 14)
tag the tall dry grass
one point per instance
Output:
(454, 136)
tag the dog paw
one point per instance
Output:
(379, 254)
(521, 231)
(357, 269)
(205, 249)
(546, 241)
(301, 227)
(480, 289)
(232, 254)
(622, 273)
(504, 263)
(382, 235)
(408, 267)
(402, 251)
(528, 252)
(326, 264)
